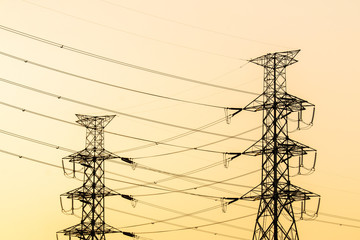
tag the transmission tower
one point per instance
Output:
(276, 218)
(93, 191)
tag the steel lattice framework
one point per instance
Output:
(275, 218)
(93, 191)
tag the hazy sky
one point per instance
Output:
(197, 40)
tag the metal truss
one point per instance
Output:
(93, 191)
(276, 218)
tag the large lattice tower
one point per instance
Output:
(275, 218)
(93, 191)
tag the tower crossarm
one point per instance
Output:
(284, 191)
(293, 103)
(277, 59)
(284, 146)
(298, 193)
(288, 102)
(82, 193)
(79, 232)
(86, 157)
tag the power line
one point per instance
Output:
(199, 226)
(186, 177)
(180, 136)
(143, 202)
(182, 216)
(120, 113)
(190, 25)
(168, 190)
(195, 148)
(36, 141)
(323, 221)
(60, 167)
(181, 213)
(93, 55)
(212, 182)
(132, 33)
(331, 222)
(338, 216)
(337, 223)
(140, 166)
(31, 159)
(178, 225)
(105, 83)
(153, 143)
(168, 219)
(55, 146)
(207, 185)
(143, 167)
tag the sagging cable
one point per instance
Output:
(73, 172)
(311, 123)
(67, 212)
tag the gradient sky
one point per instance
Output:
(206, 41)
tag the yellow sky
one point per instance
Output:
(206, 41)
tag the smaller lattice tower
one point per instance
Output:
(93, 191)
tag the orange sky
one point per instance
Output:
(205, 41)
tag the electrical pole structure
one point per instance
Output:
(276, 218)
(93, 191)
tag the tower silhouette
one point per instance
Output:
(275, 218)
(93, 191)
